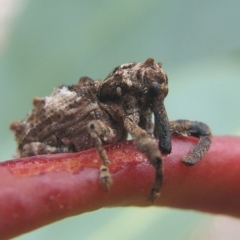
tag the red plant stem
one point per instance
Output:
(39, 190)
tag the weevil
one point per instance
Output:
(95, 113)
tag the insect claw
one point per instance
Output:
(105, 177)
(154, 194)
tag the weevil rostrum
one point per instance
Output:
(95, 113)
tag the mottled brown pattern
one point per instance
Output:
(95, 113)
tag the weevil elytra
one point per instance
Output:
(95, 113)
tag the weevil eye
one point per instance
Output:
(154, 89)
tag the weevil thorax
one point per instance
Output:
(138, 83)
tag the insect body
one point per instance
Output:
(95, 113)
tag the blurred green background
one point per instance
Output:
(49, 43)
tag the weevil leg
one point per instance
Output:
(99, 132)
(184, 128)
(147, 145)
(146, 122)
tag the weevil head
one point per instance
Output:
(136, 90)
(146, 81)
